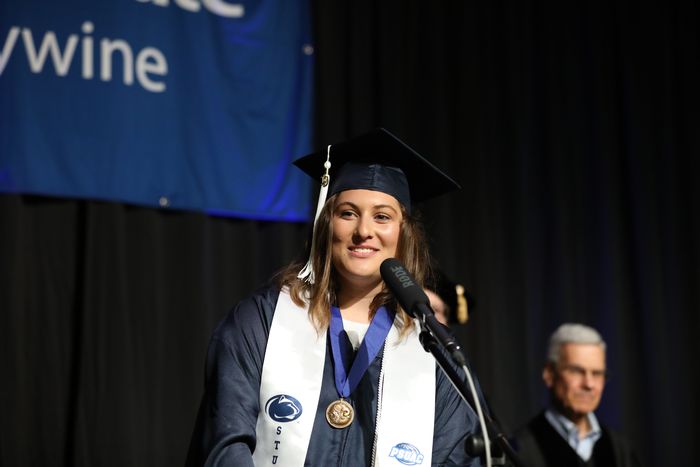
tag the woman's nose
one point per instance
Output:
(363, 228)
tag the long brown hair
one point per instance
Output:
(412, 251)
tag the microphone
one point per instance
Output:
(413, 299)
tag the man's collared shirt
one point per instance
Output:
(567, 429)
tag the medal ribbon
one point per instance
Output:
(346, 382)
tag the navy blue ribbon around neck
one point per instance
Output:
(346, 381)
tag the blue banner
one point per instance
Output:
(185, 104)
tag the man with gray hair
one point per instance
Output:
(568, 433)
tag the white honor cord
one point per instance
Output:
(482, 422)
(380, 396)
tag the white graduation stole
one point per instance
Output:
(406, 416)
(291, 385)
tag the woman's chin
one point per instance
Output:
(361, 278)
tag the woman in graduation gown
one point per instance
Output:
(324, 368)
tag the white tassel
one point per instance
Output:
(307, 273)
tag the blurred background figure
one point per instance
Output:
(450, 301)
(568, 433)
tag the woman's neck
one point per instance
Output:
(354, 302)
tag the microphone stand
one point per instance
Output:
(474, 444)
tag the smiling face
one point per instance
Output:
(577, 380)
(366, 226)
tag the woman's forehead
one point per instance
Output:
(367, 198)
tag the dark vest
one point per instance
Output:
(539, 445)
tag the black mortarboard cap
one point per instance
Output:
(459, 301)
(379, 161)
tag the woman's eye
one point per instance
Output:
(346, 214)
(382, 217)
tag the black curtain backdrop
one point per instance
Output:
(573, 130)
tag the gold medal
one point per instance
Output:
(340, 413)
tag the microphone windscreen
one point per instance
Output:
(402, 284)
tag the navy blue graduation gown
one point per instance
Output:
(224, 434)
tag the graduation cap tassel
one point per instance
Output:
(307, 273)
(462, 305)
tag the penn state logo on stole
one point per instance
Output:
(407, 454)
(283, 408)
